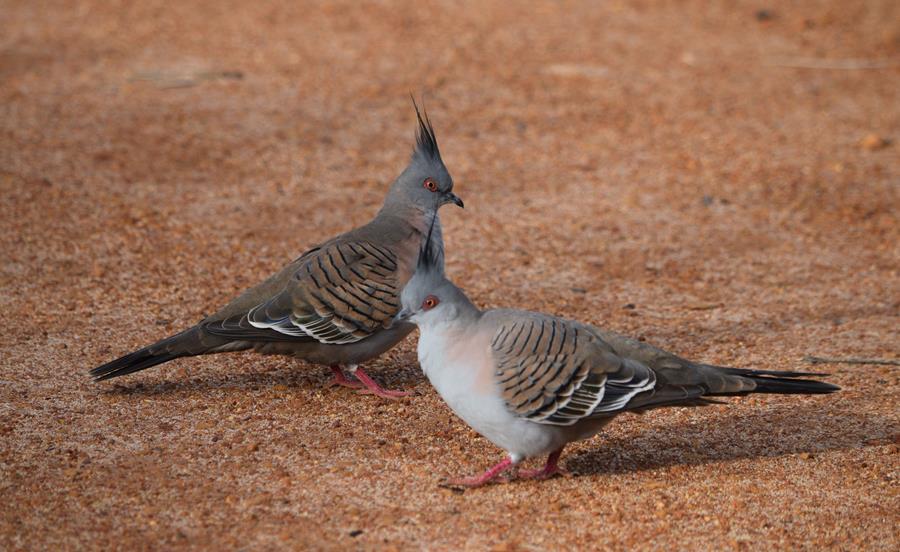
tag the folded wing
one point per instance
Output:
(556, 371)
(341, 293)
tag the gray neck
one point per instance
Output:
(399, 222)
(467, 313)
(405, 215)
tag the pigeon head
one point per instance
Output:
(429, 298)
(425, 183)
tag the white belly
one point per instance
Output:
(459, 377)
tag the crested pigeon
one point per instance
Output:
(531, 383)
(333, 305)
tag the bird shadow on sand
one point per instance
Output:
(733, 434)
(299, 376)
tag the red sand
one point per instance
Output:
(734, 176)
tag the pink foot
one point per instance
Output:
(341, 380)
(550, 469)
(478, 480)
(372, 388)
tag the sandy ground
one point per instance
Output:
(732, 175)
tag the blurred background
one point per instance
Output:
(720, 179)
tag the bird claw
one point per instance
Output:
(341, 380)
(472, 482)
(372, 387)
(344, 382)
(365, 385)
(549, 470)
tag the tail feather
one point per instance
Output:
(791, 386)
(779, 373)
(694, 384)
(782, 382)
(132, 362)
(186, 343)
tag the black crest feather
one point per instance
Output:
(426, 142)
(430, 258)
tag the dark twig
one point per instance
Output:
(833, 64)
(850, 360)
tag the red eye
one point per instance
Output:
(430, 302)
(430, 185)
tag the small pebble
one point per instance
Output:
(873, 142)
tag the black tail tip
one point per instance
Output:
(779, 381)
(130, 363)
(793, 386)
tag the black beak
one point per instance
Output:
(401, 316)
(450, 197)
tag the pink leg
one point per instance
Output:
(341, 379)
(373, 388)
(549, 470)
(479, 480)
